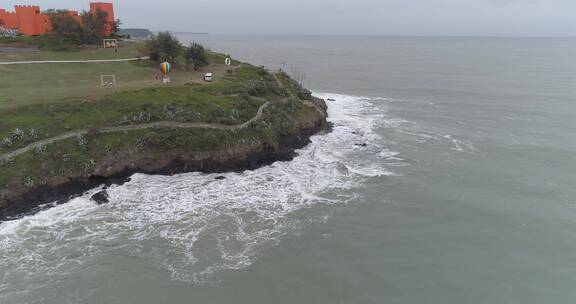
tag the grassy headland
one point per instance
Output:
(241, 119)
(55, 82)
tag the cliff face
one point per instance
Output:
(117, 167)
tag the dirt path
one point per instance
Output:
(305, 102)
(156, 124)
(74, 61)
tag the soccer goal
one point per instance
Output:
(110, 43)
(108, 80)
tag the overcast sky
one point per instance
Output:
(364, 17)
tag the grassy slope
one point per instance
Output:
(53, 82)
(181, 104)
(69, 159)
(37, 97)
(127, 50)
(232, 100)
(288, 83)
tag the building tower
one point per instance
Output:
(27, 19)
(31, 22)
(8, 20)
(108, 8)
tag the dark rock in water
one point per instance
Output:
(101, 197)
(220, 177)
(361, 145)
(330, 99)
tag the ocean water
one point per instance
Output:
(449, 177)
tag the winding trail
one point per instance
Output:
(74, 61)
(156, 124)
(151, 125)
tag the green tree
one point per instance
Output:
(197, 55)
(65, 26)
(116, 27)
(94, 25)
(164, 47)
(67, 31)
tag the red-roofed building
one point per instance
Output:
(30, 21)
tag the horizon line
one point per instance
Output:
(371, 35)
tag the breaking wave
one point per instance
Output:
(196, 225)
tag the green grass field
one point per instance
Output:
(54, 82)
(50, 99)
(127, 50)
(39, 101)
(22, 85)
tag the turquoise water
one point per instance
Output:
(463, 193)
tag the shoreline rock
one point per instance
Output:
(101, 197)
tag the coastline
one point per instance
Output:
(26, 201)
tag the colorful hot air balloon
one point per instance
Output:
(165, 68)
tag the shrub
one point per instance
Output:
(164, 47)
(82, 141)
(197, 55)
(33, 133)
(29, 182)
(40, 149)
(18, 134)
(7, 142)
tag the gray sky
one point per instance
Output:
(367, 17)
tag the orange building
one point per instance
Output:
(30, 21)
(110, 19)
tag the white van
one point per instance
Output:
(208, 77)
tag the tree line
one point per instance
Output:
(166, 47)
(66, 29)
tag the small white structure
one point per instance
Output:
(110, 43)
(208, 77)
(108, 80)
(228, 62)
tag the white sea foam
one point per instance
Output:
(195, 226)
(461, 145)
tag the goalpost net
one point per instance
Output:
(108, 80)
(110, 43)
